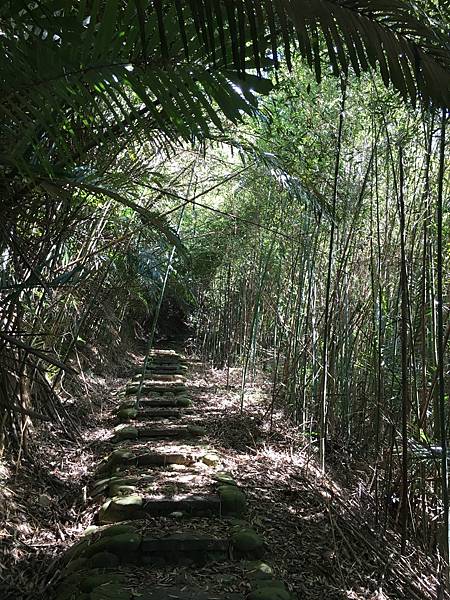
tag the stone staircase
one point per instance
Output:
(163, 501)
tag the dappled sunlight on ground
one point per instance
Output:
(317, 530)
(319, 533)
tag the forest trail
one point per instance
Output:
(269, 182)
(164, 500)
(189, 504)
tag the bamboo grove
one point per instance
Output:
(343, 275)
(292, 159)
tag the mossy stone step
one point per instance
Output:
(160, 402)
(183, 431)
(159, 378)
(224, 478)
(256, 570)
(186, 593)
(117, 509)
(162, 370)
(123, 458)
(263, 583)
(130, 403)
(117, 459)
(169, 361)
(120, 540)
(159, 388)
(163, 388)
(211, 459)
(127, 432)
(161, 459)
(163, 352)
(161, 432)
(166, 357)
(122, 544)
(162, 364)
(127, 414)
(147, 414)
(247, 543)
(134, 507)
(106, 485)
(182, 547)
(232, 499)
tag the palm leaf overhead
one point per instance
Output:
(411, 53)
(76, 76)
(393, 36)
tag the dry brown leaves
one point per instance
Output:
(317, 529)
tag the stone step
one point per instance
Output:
(158, 432)
(135, 506)
(120, 459)
(132, 413)
(148, 414)
(163, 360)
(169, 481)
(129, 546)
(111, 486)
(162, 367)
(160, 388)
(162, 351)
(168, 359)
(228, 501)
(101, 566)
(147, 459)
(174, 471)
(170, 362)
(158, 378)
(188, 593)
(160, 401)
(178, 547)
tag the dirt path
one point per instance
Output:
(166, 502)
(186, 498)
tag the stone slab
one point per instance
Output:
(177, 432)
(159, 377)
(190, 505)
(186, 593)
(134, 507)
(163, 369)
(163, 459)
(157, 413)
(159, 388)
(164, 402)
(184, 544)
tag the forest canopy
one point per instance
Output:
(279, 170)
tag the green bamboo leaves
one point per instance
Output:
(148, 217)
(76, 74)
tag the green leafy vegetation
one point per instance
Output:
(268, 179)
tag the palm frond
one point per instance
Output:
(75, 76)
